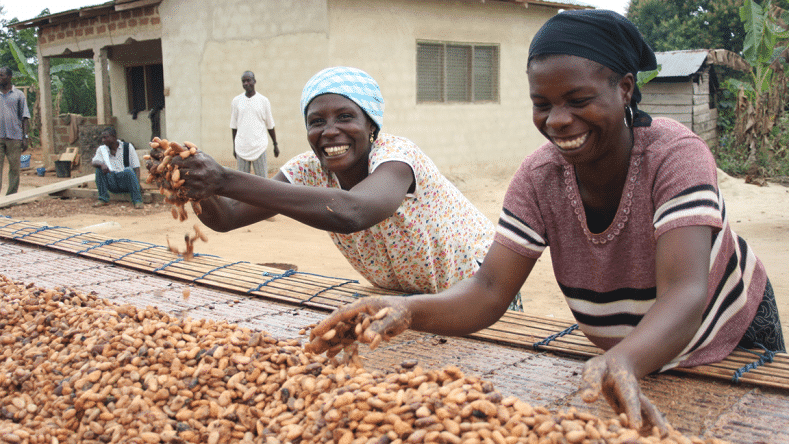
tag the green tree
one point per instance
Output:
(670, 25)
(73, 80)
(762, 99)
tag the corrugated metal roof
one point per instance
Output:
(680, 63)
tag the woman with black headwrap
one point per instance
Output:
(637, 228)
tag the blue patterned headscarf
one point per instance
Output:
(352, 83)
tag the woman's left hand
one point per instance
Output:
(607, 375)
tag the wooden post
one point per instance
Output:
(103, 107)
(47, 133)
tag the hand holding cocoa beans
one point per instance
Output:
(604, 374)
(369, 320)
(167, 174)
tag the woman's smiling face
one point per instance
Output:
(339, 133)
(579, 105)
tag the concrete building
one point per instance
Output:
(453, 73)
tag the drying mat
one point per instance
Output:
(325, 293)
(738, 413)
(293, 287)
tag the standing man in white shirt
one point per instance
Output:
(250, 118)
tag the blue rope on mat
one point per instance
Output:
(550, 338)
(180, 259)
(349, 281)
(168, 264)
(65, 238)
(101, 244)
(217, 268)
(767, 357)
(137, 251)
(276, 276)
(12, 223)
(37, 230)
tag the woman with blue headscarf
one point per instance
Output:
(630, 207)
(400, 223)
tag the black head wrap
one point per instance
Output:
(601, 36)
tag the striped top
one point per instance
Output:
(609, 278)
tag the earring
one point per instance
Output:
(372, 138)
(629, 113)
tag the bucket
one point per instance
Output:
(41, 171)
(24, 161)
(63, 168)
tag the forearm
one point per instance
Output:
(222, 214)
(467, 307)
(273, 135)
(323, 208)
(662, 334)
(477, 302)
(682, 270)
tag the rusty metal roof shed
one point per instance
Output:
(681, 63)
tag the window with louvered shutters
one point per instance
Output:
(452, 72)
(486, 74)
(430, 72)
(458, 73)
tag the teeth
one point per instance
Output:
(570, 144)
(336, 150)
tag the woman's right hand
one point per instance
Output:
(369, 320)
(202, 175)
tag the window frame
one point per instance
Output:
(471, 76)
(152, 94)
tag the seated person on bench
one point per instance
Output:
(117, 171)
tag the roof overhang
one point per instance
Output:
(123, 5)
(84, 12)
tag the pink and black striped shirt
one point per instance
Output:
(608, 278)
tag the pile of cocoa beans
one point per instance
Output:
(79, 369)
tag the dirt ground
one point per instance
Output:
(758, 214)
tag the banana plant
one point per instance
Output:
(29, 75)
(761, 99)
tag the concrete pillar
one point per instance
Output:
(103, 104)
(47, 133)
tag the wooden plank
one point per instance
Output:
(46, 189)
(661, 88)
(666, 110)
(667, 99)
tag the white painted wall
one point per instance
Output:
(207, 45)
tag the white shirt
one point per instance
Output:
(251, 118)
(115, 163)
